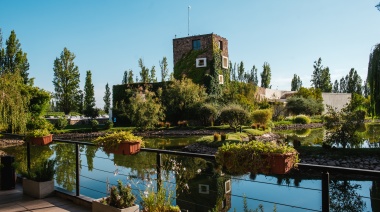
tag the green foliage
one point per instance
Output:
(342, 126)
(313, 93)
(39, 100)
(300, 105)
(94, 124)
(145, 110)
(108, 125)
(66, 81)
(240, 93)
(89, 98)
(296, 83)
(38, 133)
(321, 77)
(61, 123)
(373, 80)
(239, 158)
(120, 196)
(144, 73)
(234, 115)
(39, 123)
(112, 140)
(43, 172)
(207, 114)
(266, 76)
(301, 119)
(107, 99)
(164, 69)
(262, 116)
(185, 67)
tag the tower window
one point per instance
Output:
(221, 45)
(196, 44)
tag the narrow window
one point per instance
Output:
(221, 45)
(196, 44)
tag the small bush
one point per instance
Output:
(302, 119)
(167, 125)
(262, 116)
(216, 136)
(223, 136)
(183, 123)
(108, 125)
(94, 124)
(61, 123)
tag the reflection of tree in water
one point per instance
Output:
(375, 195)
(65, 156)
(90, 154)
(139, 163)
(343, 197)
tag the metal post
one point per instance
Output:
(28, 155)
(159, 164)
(325, 192)
(77, 172)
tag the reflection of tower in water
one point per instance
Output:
(207, 191)
(375, 195)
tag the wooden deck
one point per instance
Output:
(14, 200)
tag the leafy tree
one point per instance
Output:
(232, 71)
(89, 98)
(12, 58)
(354, 82)
(125, 78)
(107, 99)
(343, 85)
(130, 77)
(254, 75)
(336, 87)
(152, 77)
(66, 81)
(313, 93)
(164, 69)
(144, 109)
(321, 77)
(181, 98)
(266, 76)
(144, 73)
(296, 83)
(208, 113)
(344, 197)
(79, 98)
(326, 85)
(235, 115)
(373, 79)
(239, 93)
(13, 103)
(300, 105)
(241, 71)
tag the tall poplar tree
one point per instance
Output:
(130, 76)
(107, 99)
(66, 81)
(296, 83)
(373, 79)
(144, 73)
(125, 78)
(266, 76)
(164, 69)
(89, 98)
(241, 71)
(12, 58)
(321, 77)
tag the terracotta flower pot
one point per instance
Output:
(41, 141)
(128, 148)
(99, 207)
(277, 163)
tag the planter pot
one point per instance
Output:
(126, 148)
(41, 141)
(37, 189)
(99, 207)
(277, 163)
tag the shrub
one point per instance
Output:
(94, 124)
(207, 113)
(167, 125)
(216, 136)
(42, 173)
(301, 119)
(120, 196)
(61, 123)
(235, 115)
(300, 105)
(108, 125)
(262, 116)
(223, 136)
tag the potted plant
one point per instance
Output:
(257, 156)
(121, 199)
(122, 142)
(40, 137)
(39, 182)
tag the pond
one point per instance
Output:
(370, 135)
(199, 185)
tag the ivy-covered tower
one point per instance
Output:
(202, 58)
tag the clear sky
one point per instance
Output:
(108, 37)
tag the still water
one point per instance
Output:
(198, 184)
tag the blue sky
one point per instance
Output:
(108, 37)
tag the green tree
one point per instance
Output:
(266, 76)
(89, 98)
(300, 105)
(79, 99)
(326, 80)
(235, 115)
(296, 83)
(152, 76)
(164, 69)
(373, 79)
(125, 78)
(181, 99)
(12, 58)
(343, 85)
(144, 73)
(145, 109)
(130, 77)
(107, 99)
(354, 82)
(321, 77)
(13, 103)
(336, 87)
(66, 81)
(241, 71)
(313, 93)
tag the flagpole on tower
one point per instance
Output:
(188, 20)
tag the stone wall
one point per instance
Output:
(336, 100)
